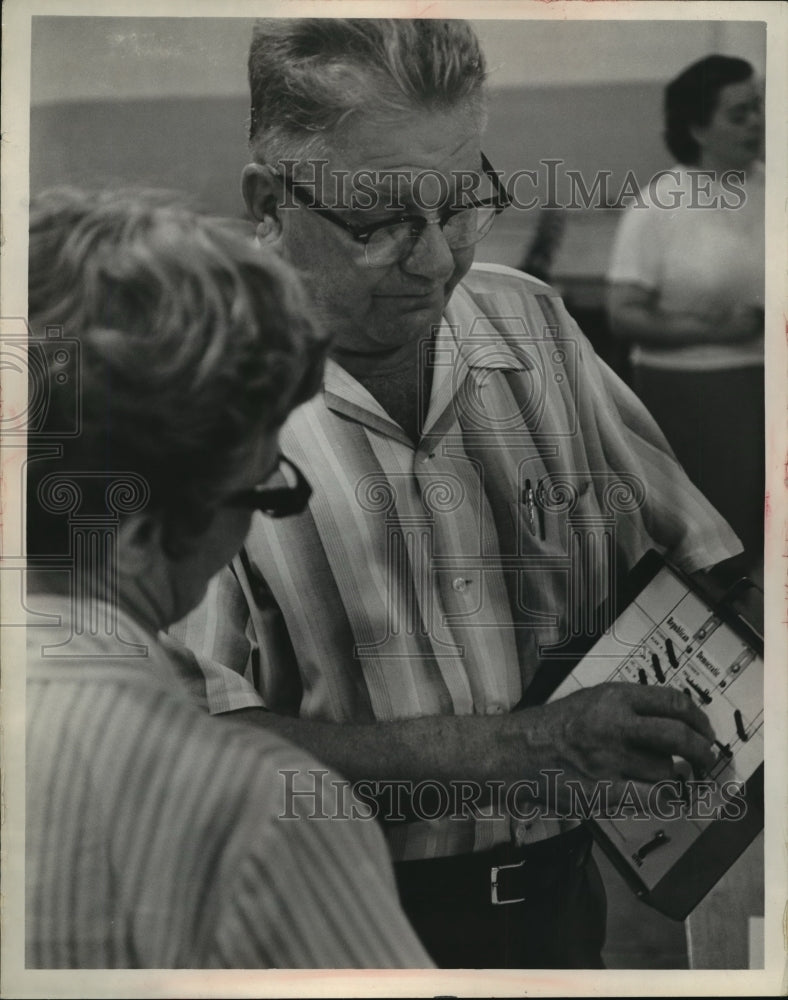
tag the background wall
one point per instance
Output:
(556, 53)
(81, 58)
(163, 102)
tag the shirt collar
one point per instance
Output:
(469, 338)
(345, 395)
(479, 334)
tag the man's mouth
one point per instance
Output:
(409, 302)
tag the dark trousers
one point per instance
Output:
(559, 925)
(714, 421)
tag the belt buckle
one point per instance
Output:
(494, 885)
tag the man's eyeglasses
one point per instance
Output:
(392, 240)
(284, 493)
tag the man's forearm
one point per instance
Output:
(657, 329)
(611, 732)
(642, 322)
(439, 748)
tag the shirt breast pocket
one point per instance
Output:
(564, 563)
(547, 510)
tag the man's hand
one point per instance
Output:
(618, 733)
(743, 322)
(635, 316)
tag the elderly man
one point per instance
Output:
(480, 479)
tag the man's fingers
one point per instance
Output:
(640, 766)
(669, 702)
(670, 737)
(630, 793)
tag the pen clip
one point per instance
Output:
(530, 505)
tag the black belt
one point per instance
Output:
(504, 874)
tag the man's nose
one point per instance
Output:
(431, 256)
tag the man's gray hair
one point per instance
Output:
(308, 75)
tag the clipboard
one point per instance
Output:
(674, 631)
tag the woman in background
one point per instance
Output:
(156, 836)
(687, 290)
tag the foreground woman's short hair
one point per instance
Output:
(190, 341)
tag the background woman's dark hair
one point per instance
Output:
(691, 100)
(190, 342)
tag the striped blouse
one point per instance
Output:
(155, 836)
(433, 578)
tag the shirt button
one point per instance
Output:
(460, 584)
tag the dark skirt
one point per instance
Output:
(714, 421)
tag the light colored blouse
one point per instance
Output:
(700, 260)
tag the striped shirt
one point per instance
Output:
(155, 836)
(432, 579)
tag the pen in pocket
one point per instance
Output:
(534, 512)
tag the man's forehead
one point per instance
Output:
(418, 142)
(422, 185)
(400, 170)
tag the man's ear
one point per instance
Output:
(260, 189)
(140, 541)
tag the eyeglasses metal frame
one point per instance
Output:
(275, 501)
(362, 234)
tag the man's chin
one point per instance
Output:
(416, 326)
(421, 316)
(385, 339)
